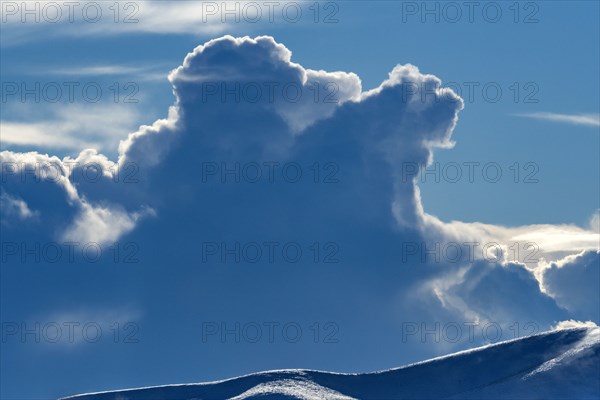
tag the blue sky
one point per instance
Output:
(543, 56)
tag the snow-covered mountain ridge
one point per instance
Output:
(560, 364)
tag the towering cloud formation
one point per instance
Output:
(573, 282)
(259, 149)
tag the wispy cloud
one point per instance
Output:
(15, 206)
(154, 73)
(147, 17)
(76, 327)
(199, 18)
(97, 70)
(71, 127)
(576, 119)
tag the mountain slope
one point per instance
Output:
(561, 364)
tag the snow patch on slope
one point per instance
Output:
(295, 389)
(584, 347)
